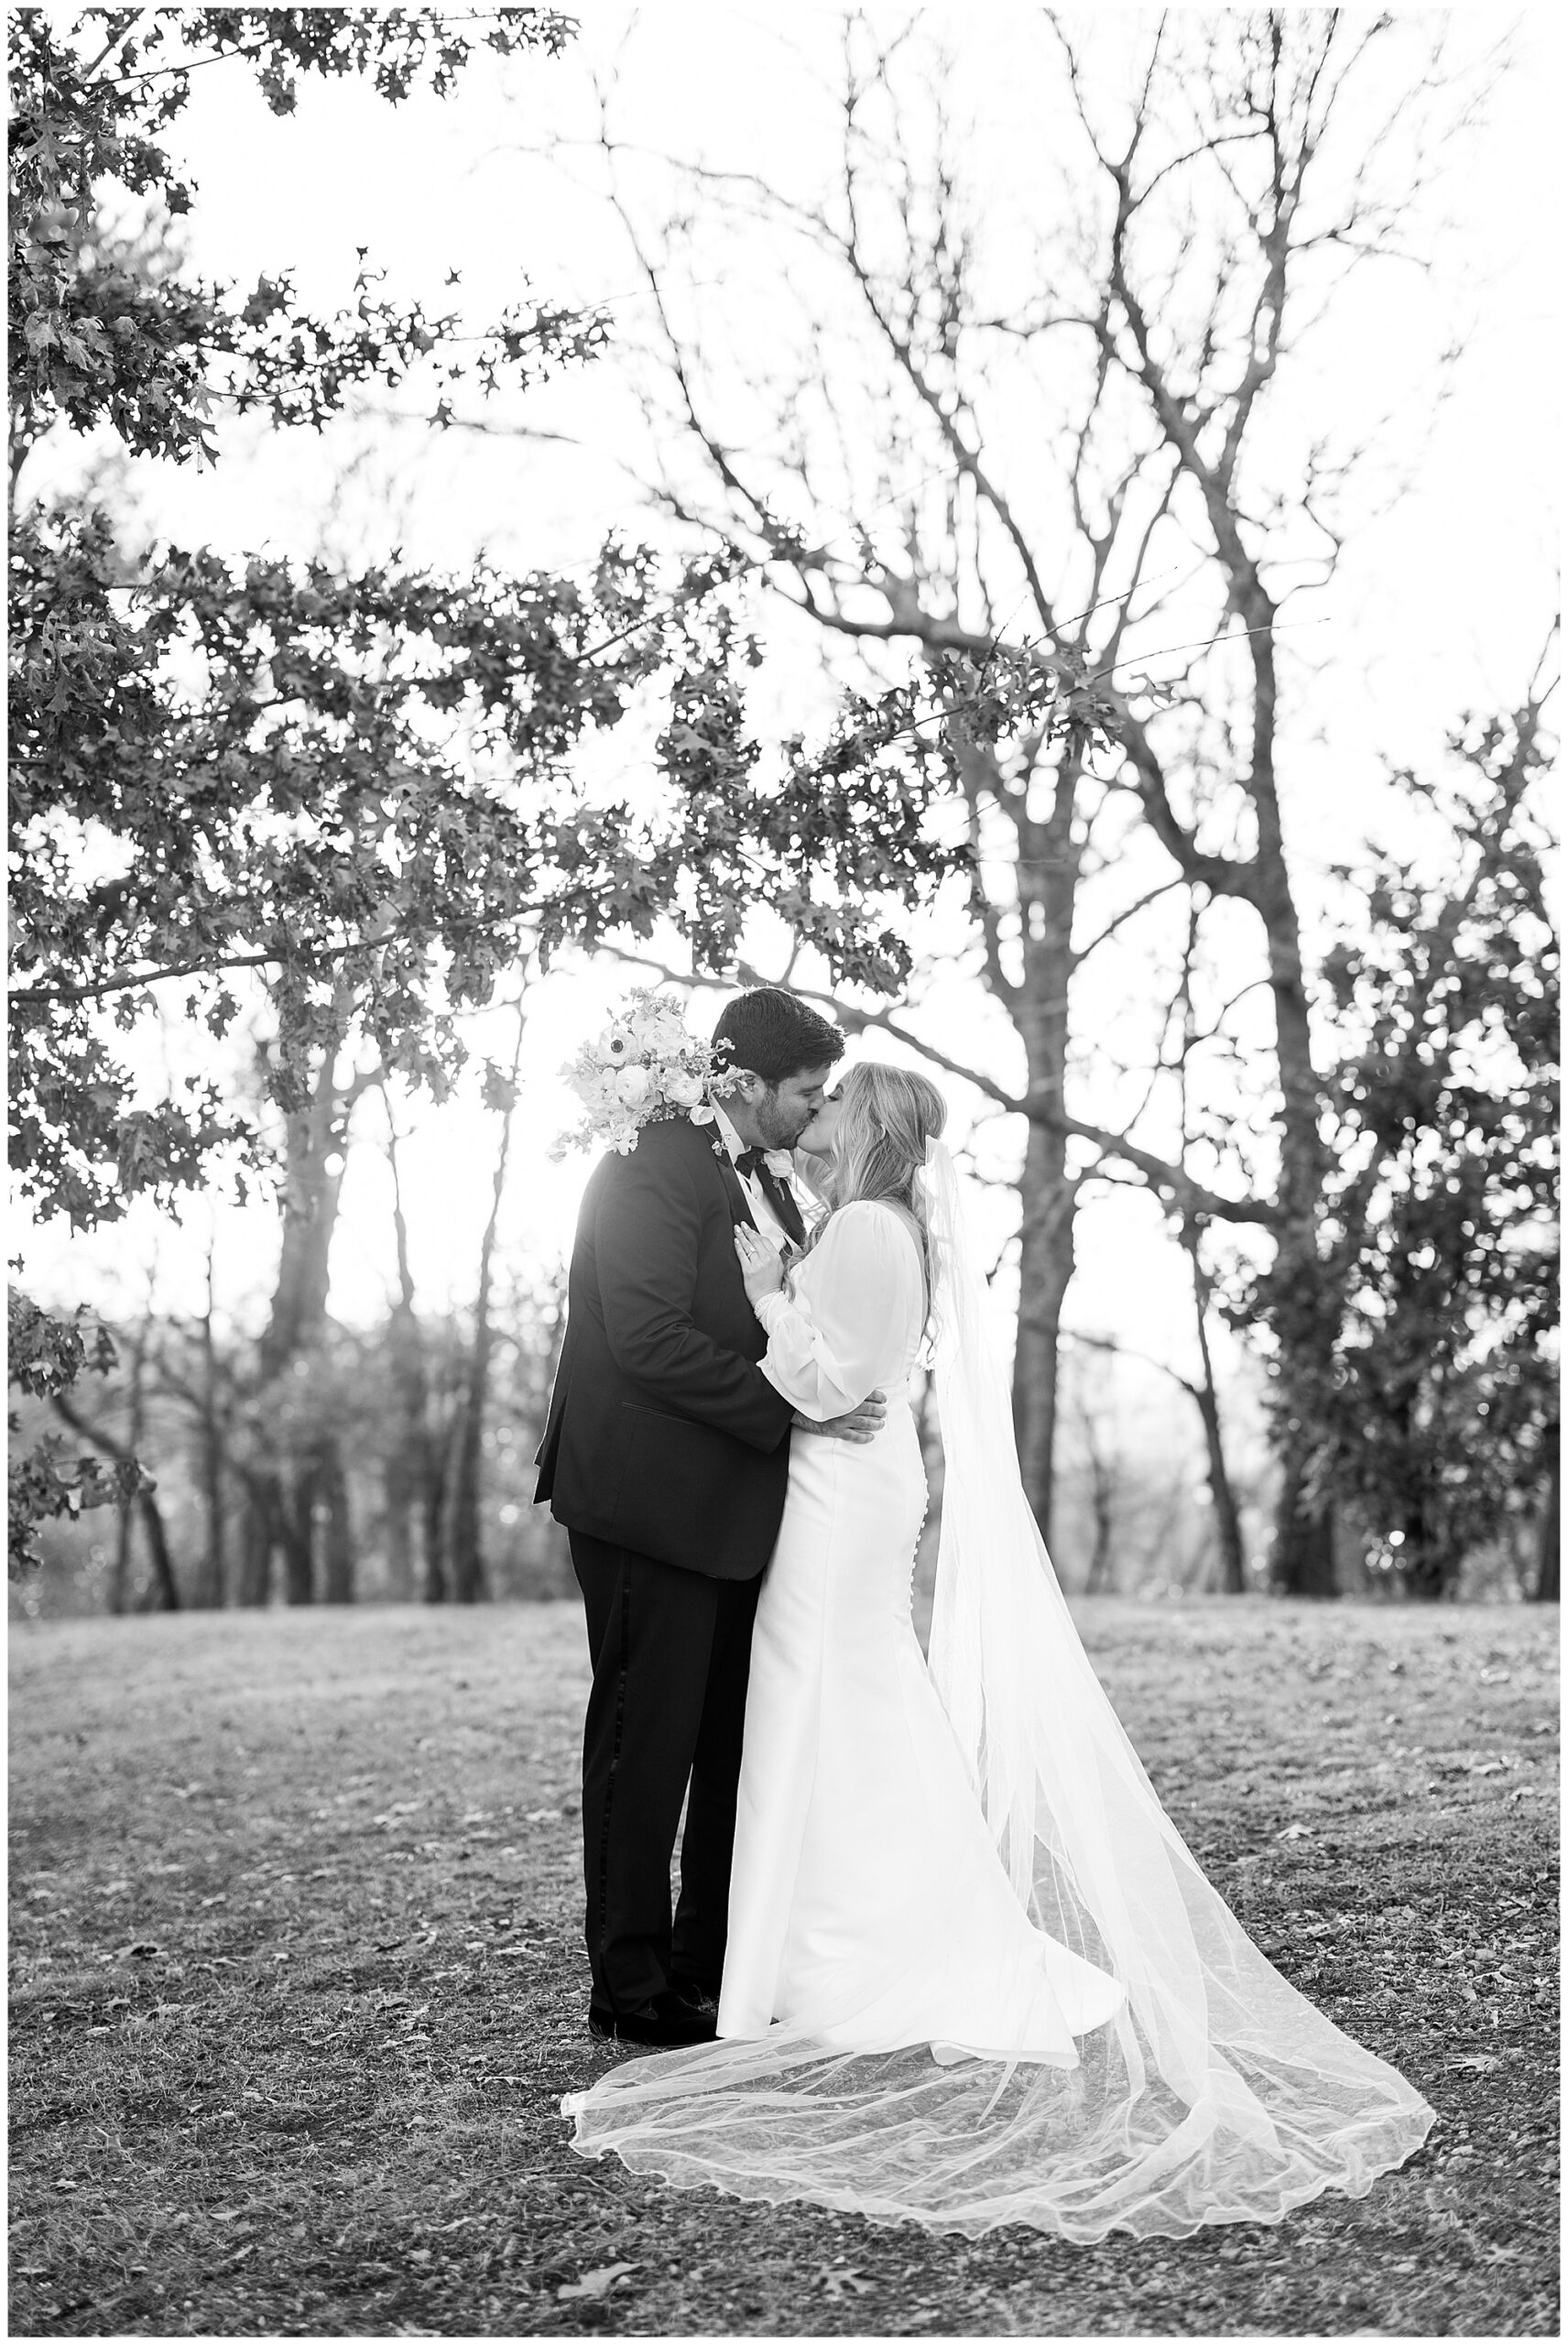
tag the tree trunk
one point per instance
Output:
(1097, 1578)
(119, 1570)
(410, 1477)
(1228, 1519)
(309, 1216)
(163, 1590)
(464, 1551)
(1549, 1552)
(212, 1587)
(126, 1512)
(1428, 1566)
(335, 1523)
(1302, 1312)
(257, 1540)
(464, 1546)
(1302, 1563)
(163, 1593)
(293, 1516)
(314, 1135)
(397, 1500)
(406, 1464)
(444, 1406)
(1047, 876)
(434, 1527)
(1045, 1272)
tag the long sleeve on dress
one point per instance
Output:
(845, 1328)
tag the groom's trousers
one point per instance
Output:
(671, 1651)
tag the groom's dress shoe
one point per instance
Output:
(668, 2020)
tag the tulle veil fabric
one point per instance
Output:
(1217, 2094)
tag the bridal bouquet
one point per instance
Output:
(645, 1068)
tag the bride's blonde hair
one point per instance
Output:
(888, 1115)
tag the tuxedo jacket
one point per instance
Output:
(663, 1434)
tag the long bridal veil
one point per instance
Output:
(1216, 2093)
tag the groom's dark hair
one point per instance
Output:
(769, 1033)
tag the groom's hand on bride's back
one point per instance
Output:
(857, 1425)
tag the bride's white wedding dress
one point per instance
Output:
(973, 1975)
(868, 1900)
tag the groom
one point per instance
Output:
(666, 1454)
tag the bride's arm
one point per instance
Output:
(829, 1343)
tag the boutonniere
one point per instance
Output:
(780, 1162)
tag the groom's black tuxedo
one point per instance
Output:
(663, 1436)
(666, 1453)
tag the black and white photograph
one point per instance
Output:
(783, 1313)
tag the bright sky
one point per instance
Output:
(1441, 603)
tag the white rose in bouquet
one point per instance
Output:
(646, 1062)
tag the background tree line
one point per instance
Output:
(434, 1506)
(355, 797)
(358, 787)
(428, 1501)
(1086, 366)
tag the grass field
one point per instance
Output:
(297, 1984)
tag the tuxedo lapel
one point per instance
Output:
(685, 1461)
(735, 1188)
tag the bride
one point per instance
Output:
(973, 1975)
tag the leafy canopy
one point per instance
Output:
(360, 786)
(359, 783)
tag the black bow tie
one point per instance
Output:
(753, 1161)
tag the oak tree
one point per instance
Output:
(1047, 409)
(358, 788)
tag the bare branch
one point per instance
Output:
(1129, 912)
(1165, 1179)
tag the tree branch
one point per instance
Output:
(1037, 1105)
(1129, 912)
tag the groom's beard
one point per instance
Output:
(779, 1129)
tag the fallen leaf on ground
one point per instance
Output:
(840, 2283)
(596, 2283)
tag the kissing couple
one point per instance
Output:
(939, 1954)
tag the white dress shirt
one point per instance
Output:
(781, 1164)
